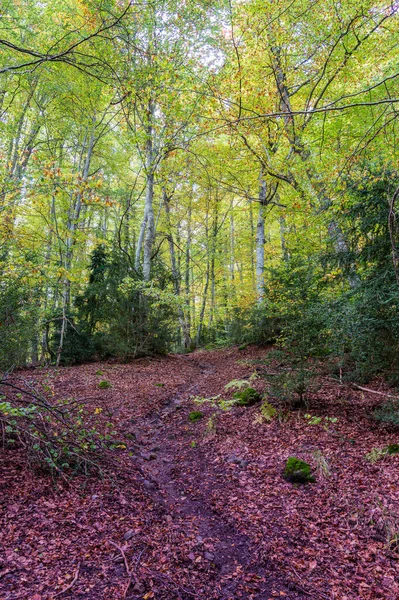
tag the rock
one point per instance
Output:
(247, 397)
(128, 535)
(236, 460)
(392, 449)
(150, 456)
(194, 416)
(209, 556)
(298, 471)
(149, 485)
(104, 384)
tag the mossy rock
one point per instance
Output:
(298, 471)
(194, 416)
(392, 449)
(104, 384)
(247, 397)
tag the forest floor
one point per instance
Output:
(201, 510)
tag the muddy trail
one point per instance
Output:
(163, 460)
(200, 510)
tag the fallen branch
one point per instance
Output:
(128, 570)
(74, 580)
(364, 389)
(121, 550)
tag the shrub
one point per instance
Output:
(292, 386)
(52, 434)
(388, 412)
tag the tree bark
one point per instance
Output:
(260, 242)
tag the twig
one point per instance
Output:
(128, 570)
(121, 550)
(74, 580)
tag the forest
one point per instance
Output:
(199, 299)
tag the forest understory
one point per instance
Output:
(200, 509)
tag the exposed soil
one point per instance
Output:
(200, 510)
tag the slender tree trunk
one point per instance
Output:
(232, 247)
(176, 275)
(283, 230)
(260, 242)
(187, 268)
(149, 197)
(203, 305)
(252, 249)
(72, 227)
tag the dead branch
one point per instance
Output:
(74, 580)
(365, 389)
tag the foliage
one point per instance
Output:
(322, 465)
(118, 315)
(292, 386)
(54, 434)
(325, 422)
(267, 411)
(388, 412)
(239, 384)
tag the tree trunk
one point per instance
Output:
(260, 242)
(185, 328)
(72, 227)
(149, 197)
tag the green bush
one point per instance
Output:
(118, 315)
(388, 412)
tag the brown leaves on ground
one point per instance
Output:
(200, 510)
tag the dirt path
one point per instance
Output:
(229, 553)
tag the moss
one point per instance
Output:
(298, 471)
(392, 449)
(247, 397)
(104, 384)
(194, 416)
